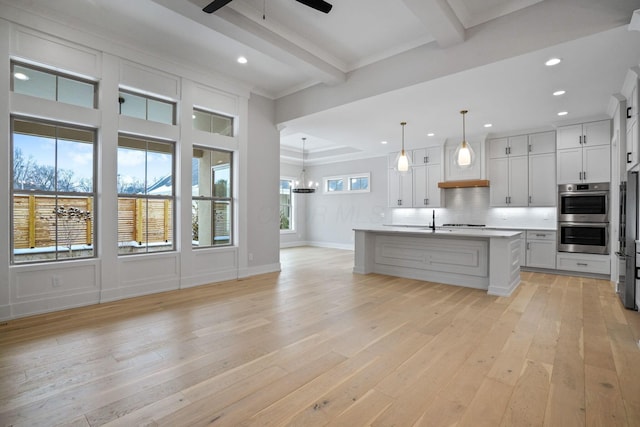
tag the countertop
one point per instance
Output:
(487, 227)
(440, 231)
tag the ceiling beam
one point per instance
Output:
(235, 25)
(440, 20)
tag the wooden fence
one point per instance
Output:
(34, 221)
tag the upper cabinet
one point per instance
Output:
(630, 90)
(427, 172)
(400, 193)
(522, 170)
(584, 152)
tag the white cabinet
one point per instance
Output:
(584, 263)
(584, 152)
(400, 189)
(427, 156)
(400, 184)
(505, 147)
(509, 181)
(426, 193)
(541, 249)
(633, 135)
(542, 180)
(522, 170)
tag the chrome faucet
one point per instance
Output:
(433, 221)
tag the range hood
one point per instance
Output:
(467, 183)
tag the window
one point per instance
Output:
(145, 195)
(48, 84)
(53, 191)
(286, 204)
(147, 108)
(356, 183)
(212, 197)
(335, 184)
(212, 122)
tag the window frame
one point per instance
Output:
(56, 74)
(147, 97)
(146, 197)
(346, 183)
(292, 207)
(211, 115)
(213, 199)
(93, 224)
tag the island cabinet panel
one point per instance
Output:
(467, 257)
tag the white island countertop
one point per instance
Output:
(439, 232)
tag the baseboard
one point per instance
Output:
(293, 244)
(5, 313)
(260, 269)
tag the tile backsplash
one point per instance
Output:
(471, 206)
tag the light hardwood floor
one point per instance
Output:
(317, 345)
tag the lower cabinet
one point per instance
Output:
(585, 263)
(541, 249)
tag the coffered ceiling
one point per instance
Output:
(345, 80)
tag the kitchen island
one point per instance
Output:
(477, 258)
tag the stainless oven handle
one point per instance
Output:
(585, 193)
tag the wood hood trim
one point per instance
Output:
(468, 183)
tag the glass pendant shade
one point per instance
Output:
(403, 161)
(464, 155)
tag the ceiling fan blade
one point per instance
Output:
(320, 5)
(215, 5)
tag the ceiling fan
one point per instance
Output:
(319, 5)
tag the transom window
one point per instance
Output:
(53, 85)
(52, 191)
(145, 195)
(211, 122)
(212, 197)
(350, 183)
(146, 107)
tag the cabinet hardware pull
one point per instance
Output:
(426, 201)
(529, 199)
(399, 202)
(580, 138)
(629, 112)
(528, 246)
(628, 158)
(506, 200)
(530, 148)
(584, 139)
(584, 176)
(540, 235)
(584, 264)
(426, 159)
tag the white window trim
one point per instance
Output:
(346, 179)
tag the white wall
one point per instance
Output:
(262, 190)
(331, 217)
(35, 288)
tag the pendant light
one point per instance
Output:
(300, 186)
(464, 153)
(403, 162)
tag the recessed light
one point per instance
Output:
(242, 60)
(488, 125)
(193, 116)
(553, 61)
(563, 113)
(430, 134)
(559, 92)
(383, 142)
(21, 76)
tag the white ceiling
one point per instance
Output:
(345, 80)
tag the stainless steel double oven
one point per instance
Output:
(583, 218)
